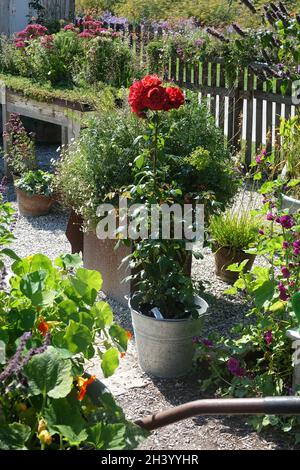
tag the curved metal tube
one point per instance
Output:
(223, 406)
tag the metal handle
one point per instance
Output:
(223, 406)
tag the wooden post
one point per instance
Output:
(238, 111)
(248, 156)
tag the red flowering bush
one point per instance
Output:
(32, 31)
(149, 94)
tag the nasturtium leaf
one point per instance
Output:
(48, 373)
(41, 262)
(26, 319)
(69, 261)
(64, 416)
(87, 284)
(119, 335)
(66, 309)
(14, 436)
(110, 362)
(103, 314)
(20, 267)
(33, 286)
(77, 337)
(107, 436)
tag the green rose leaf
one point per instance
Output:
(77, 337)
(110, 362)
(48, 373)
(263, 293)
(103, 314)
(14, 436)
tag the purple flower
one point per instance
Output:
(195, 339)
(285, 245)
(234, 367)
(268, 337)
(270, 216)
(261, 232)
(258, 159)
(285, 272)
(286, 221)
(208, 343)
(296, 244)
(283, 292)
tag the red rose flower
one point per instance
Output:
(136, 96)
(151, 81)
(155, 98)
(175, 98)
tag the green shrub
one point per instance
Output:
(107, 60)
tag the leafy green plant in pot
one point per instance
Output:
(34, 193)
(165, 309)
(232, 234)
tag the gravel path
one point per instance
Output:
(138, 394)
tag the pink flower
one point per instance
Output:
(270, 216)
(70, 27)
(208, 343)
(286, 221)
(20, 44)
(268, 337)
(234, 367)
(283, 292)
(258, 159)
(285, 272)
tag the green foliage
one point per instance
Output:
(20, 151)
(290, 153)
(256, 360)
(50, 323)
(234, 228)
(36, 182)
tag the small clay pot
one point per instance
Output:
(33, 206)
(226, 256)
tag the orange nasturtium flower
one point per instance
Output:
(129, 335)
(83, 385)
(122, 355)
(43, 327)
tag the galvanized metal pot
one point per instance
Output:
(290, 203)
(165, 347)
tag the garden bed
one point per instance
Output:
(138, 394)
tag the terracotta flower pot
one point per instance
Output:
(226, 256)
(33, 206)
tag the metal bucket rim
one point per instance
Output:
(203, 307)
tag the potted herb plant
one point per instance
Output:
(166, 312)
(232, 234)
(290, 134)
(34, 193)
